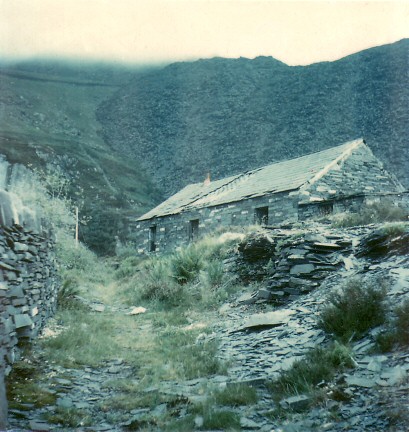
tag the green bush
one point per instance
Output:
(319, 364)
(353, 310)
(155, 281)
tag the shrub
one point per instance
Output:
(398, 330)
(319, 364)
(353, 310)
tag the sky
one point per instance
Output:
(151, 31)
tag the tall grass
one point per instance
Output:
(190, 274)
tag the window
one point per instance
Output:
(326, 209)
(261, 216)
(152, 238)
(193, 229)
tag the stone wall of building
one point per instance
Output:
(344, 186)
(358, 175)
(174, 230)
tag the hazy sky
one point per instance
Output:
(296, 32)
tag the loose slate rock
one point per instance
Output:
(269, 319)
(37, 425)
(359, 381)
(296, 403)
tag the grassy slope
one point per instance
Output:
(48, 116)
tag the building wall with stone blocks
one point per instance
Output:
(173, 230)
(360, 174)
(344, 185)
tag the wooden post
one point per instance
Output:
(76, 226)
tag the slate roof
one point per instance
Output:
(278, 177)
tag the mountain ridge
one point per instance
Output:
(193, 117)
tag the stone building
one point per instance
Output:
(334, 180)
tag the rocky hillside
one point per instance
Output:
(227, 115)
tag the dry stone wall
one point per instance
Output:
(28, 280)
(28, 287)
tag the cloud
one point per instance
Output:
(297, 32)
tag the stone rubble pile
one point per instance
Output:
(291, 263)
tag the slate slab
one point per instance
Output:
(22, 320)
(269, 319)
(360, 381)
(296, 403)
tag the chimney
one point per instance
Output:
(207, 180)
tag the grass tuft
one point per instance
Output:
(319, 364)
(69, 417)
(67, 293)
(236, 395)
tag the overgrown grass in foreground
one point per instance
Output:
(86, 339)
